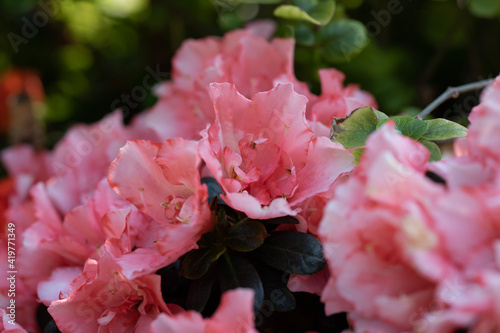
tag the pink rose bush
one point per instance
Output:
(226, 205)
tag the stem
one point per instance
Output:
(453, 92)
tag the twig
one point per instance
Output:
(453, 92)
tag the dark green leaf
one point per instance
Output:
(199, 291)
(222, 224)
(237, 272)
(433, 149)
(353, 130)
(275, 288)
(206, 240)
(196, 263)
(442, 129)
(304, 35)
(408, 126)
(292, 252)
(217, 250)
(246, 236)
(342, 39)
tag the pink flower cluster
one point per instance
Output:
(413, 246)
(96, 217)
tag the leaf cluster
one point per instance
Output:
(353, 130)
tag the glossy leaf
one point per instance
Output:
(199, 291)
(292, 252)
(442, 129)
(246, 236)
(342, 39)
(206, 240)
(408, 126)
(304, 35)
(275, 288)
(196, 263)
(433, 149)
(237, 272)
(353, 130)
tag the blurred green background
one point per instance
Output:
(88, 53)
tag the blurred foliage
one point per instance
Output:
(89, 53)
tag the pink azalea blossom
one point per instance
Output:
(241, 57)
(101, 299)
(264, 156)
(335, 101)
(234, 315)
(163, 181)
(372, 231)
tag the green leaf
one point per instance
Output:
(196, 263)
(292, 252)
(304, 35)
(237, 272)
(353, 130)
(206, 240)
(276, 289)
(357, 153)
(442, 129)
(408, 126)
(323, 11)
(342, 39)
(320, 14)
(433, 149)
(380, 115)
(484, 8)
(199, 291)
(246, 236)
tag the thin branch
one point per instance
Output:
(453, 92)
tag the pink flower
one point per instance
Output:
(163, 181)
(373, 231)
(483, 134)
(103, 300)
(264, 156)
(81, 159)
(335, 101)
(249, 61)
(234, 315)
